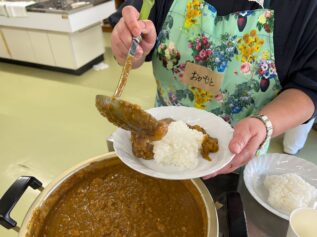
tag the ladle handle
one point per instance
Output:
(12, 196)
(146, 9)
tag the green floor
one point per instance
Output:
(48, 121)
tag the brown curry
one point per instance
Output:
(118, 201)
(142, 144)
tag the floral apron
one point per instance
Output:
(222, 64)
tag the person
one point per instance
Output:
(255, 66)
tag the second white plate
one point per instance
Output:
(276, 164)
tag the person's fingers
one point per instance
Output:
(131, 16)
(239, 140)
(209, 176)
(247, 138)
(243, 157)
(123, 34)
(128, 27)
(148, 30)
(138, 53)
(121, 41)
(119, 50)
(148, 36)
(249, 151)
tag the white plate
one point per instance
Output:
(276, 164)
(214, 125)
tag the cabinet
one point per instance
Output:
(41, 48)
(56, 49)
(25, 45)
(74, 50)
(19, 44)
(62, 50)
(4, 49)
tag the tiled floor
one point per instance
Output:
(48, 121)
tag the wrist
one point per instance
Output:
(266, 122)
(268, 129)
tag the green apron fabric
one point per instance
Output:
(238, 46)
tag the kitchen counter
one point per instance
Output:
(61, 38)
(61, 20)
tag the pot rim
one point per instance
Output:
(212, 217)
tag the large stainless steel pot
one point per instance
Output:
(47, 197)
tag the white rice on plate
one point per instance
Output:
(288, 192)
(180, 147)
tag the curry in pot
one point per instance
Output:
(118, 201)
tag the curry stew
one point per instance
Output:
(110, 199)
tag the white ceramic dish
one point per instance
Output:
(214, 125)
(276, 164)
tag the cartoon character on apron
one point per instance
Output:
(222, 64)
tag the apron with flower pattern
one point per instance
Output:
(222, 64)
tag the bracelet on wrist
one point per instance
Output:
(269, 131)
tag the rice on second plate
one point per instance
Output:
(289, 191)
(180, 147)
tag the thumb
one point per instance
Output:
(147, 27)
(239, 141)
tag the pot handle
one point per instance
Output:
(12, 196)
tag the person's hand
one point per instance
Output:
(128, 27)
(248, 135)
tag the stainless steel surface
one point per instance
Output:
(63, 6)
